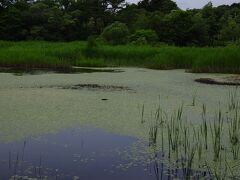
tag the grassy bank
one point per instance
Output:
(61, 55)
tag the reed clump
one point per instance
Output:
(211, 146)
(64, 54)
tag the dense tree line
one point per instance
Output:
(149, 21)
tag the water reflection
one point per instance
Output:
(83, 154)
(38, 71)
(72, 154)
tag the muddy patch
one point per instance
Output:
(229, 81)
(90, 87)
(97, 87)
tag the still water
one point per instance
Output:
(87, 124)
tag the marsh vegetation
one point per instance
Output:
(117, 91)
(40, 54)
(211, 145)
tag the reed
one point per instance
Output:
(204, 126)
(62, 55)
(216, 132)
(213, 145)
(233, 102)
(190, 160)
(194, 96)
(153, 132)
(142, 114)
(234, 134)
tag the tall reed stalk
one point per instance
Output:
(216, 131)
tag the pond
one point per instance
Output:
(93, 124)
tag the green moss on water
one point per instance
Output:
(31, 106)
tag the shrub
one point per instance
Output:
(238, 42)
(91, 47)
(91, 42)
(116, 33)
(140, 41)
(149, 35)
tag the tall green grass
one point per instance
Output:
(210, 146)
(60, 54)
(39, 54)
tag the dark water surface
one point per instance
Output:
(38, 71)
(89, 154)
(71, 154)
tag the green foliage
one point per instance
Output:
(183, 28)
(49, 54)
(154, 5)
(91, 47)
(218, 60)
(140, 41)
(141, 21)
(231, 31)
(37, 32)
(237, 42)
(66, 20)
(144, 37)
(92, 43)
(116, 33)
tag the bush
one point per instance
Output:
(91, 42)
(140, 41)
(149, 35)
(91, 47)
(238, 42)
(100, 40)
(116, 33)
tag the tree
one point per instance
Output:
(130, 15)
(11, 25)
(176, 27)
(164, 6)
(157, 24)
(54, 23)
(211, 19)
(141, 21)
(148, 35)
(231, 31)
(116, 33)
(78, 19)
(199, 31)
(68, 27)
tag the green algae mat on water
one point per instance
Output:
(148, 108)
(35, 110)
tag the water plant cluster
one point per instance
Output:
(43, 54)
(211, 146)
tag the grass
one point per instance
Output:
(43, 54)
(216, 131)
(212, 146)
